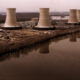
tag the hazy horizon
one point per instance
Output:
(34, 5)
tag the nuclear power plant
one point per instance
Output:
(10, 22)
(78, 15)
(73, 16)
(44, 19)
(39, 43)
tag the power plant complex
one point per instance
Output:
(44, 21)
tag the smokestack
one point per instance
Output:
(73, 16)
(44, 19)
(78, 15)
(10, 22)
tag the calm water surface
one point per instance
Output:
(56, 59)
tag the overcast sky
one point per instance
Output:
(34, 5)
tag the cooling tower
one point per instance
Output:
(78, 15)
(10, 22)
(73, 16)
(44, 19)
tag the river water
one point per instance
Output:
(56, 59)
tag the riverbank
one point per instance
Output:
(11, 40)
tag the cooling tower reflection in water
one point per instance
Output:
(60, 59)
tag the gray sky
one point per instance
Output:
(34, 5)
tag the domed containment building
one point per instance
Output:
(35, 19)
(44, 19)
(78, 15)
(10, 22)
(73, 17)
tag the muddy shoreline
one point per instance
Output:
(12, 40)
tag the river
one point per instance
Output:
(55, 59)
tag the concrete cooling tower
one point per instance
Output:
(44, 19)
(73, 16)
(10, 22)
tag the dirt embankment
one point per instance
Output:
(11, 40)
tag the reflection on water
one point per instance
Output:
(73, 38)
(44, 48)
(57, 59)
